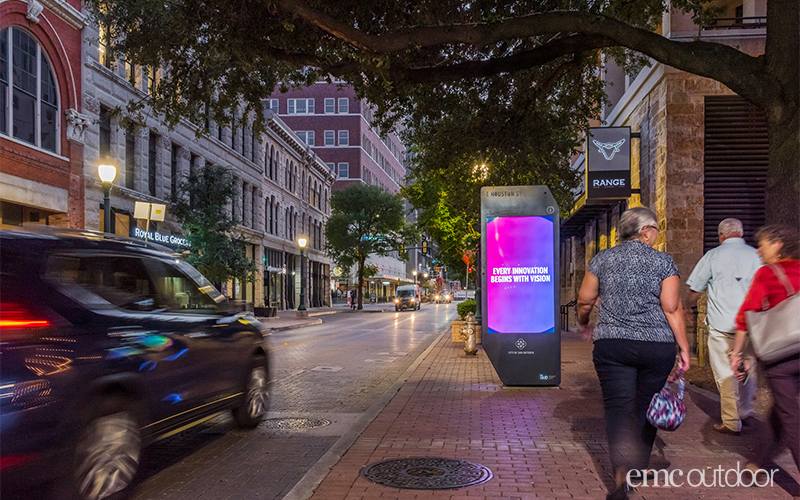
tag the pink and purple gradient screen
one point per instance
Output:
(520, 275)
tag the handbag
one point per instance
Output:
(666, 410)
(775, 333)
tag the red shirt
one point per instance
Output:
(766, 284)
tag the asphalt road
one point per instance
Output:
(328, 381)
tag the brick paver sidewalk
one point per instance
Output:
(539, 442)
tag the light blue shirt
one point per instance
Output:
(727, 272)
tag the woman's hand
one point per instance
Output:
(684, 360)
(739, 366)
(587, 331)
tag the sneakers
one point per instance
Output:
(722, 429)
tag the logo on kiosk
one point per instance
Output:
(521, 344)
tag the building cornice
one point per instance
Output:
(65, 11)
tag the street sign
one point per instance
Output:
(465, 259)
(519, 279)
(337, 271)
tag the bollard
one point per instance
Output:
(468, 332)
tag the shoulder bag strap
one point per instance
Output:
(778, 270)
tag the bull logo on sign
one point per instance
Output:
(608, 149)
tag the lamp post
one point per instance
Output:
(301, 309)
(107, 174)
(415, 276)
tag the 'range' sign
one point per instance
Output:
(608, 163)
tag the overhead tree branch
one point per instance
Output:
(741, 72)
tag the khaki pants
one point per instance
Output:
(735, 397)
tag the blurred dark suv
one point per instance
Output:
(106, 345)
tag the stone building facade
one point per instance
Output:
(284, 186)
(700, 156)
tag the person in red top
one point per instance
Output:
(778, 245)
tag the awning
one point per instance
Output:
(583, 213)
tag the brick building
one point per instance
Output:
(700, 156)
(337, 126)
(41, 125)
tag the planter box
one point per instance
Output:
(455, 333)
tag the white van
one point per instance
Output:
(408, 297)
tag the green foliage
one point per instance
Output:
(365, 220)
(466, 307)
(201, 206)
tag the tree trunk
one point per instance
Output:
(783, 178)
(361, 283)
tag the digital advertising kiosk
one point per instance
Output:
(519, 279)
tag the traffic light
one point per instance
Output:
(424, 247)
(402, 247)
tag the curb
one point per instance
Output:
(320, 470)
(298, 325)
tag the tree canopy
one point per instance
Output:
(401, 54)
(201, 205)
(365, 220)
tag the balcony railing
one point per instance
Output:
(732, 23)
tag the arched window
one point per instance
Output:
(24, 68)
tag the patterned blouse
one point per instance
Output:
(630, 278)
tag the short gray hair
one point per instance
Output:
(633, 220)
(731, 227)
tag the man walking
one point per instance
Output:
(726, 271)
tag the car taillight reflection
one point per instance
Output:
(15, 460)
(17, 316)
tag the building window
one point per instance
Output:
(331, 166)
(130, 156)
(149, 79)
(306, 136)
(252, 144)
(33, 114)
(105, 133)
(330, 137)
(151, 164)
(344, 105)
(173, 170)
(130, 73)
(273, 105)
(344, 138)
(344, 170)
(300, 106)
(330, 106)
(105, 56)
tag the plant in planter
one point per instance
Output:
(466, 307)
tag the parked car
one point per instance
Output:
(443, 297)
(408, 297)
(109, 344)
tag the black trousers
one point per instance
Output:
(630, 373)
(783, 379)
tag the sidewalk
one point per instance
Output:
(538, 442)
(288, 320)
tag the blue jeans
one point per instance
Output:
(630, 373)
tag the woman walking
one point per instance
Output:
(640, 320)
(779, 247)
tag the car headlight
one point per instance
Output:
(397, 300)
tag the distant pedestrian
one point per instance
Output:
(640, 320)
(353, 298)
(726, 272)
(778, 246)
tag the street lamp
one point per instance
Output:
(425, 275)
(301, 309)
(415, 276)
(107, 174)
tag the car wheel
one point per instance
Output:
(106, 456)
(254, 404)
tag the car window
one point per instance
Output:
(177, 292)
(405, 293)
(121, 280)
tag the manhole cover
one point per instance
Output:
(426, 473)
(294, 424)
